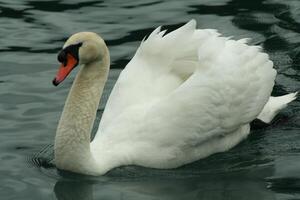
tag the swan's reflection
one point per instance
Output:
(238, 185)
(75, 190)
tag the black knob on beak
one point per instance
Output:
(62, 57)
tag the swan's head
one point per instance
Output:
(80, 48)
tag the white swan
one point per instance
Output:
(182, 97)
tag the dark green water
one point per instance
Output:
(265, 166)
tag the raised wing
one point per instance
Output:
(202, 84)
(209, 112)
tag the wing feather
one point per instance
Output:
(203, 85)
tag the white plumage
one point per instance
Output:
(182, 97)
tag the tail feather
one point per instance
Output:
(274, 105)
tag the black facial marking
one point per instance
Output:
(72, 49)
(62, 57)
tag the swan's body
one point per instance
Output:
(182, 97)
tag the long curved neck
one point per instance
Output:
(73, 136)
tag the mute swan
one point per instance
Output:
(183, 96)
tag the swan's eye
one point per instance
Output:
(73, 50)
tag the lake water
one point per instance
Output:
(264, 166)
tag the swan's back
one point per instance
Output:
(186, 95)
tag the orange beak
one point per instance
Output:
(65, 69)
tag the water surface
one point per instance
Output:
(265, 166)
